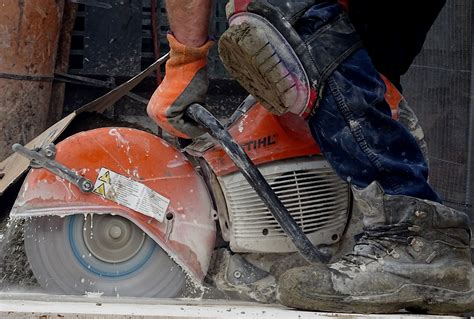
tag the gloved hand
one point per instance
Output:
(185, 83)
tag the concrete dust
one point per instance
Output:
(263, 290)
(16, 274)
(15, 271)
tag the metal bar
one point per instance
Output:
(77, 79)
(19, 77)
(470, 144)
(258, 183)
(102, 103)
(241, 110)
(155, 35)
(44, 158)
(92, 3)
(81, 80)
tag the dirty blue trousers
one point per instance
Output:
(353, 124)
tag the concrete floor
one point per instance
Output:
(15, 306)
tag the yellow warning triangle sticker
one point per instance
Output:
(105, 177)
(100, 189)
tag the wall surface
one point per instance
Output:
(438, 87)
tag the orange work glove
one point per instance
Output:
(185, 83)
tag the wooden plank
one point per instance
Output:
(15, 165)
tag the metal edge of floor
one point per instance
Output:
(44, 306)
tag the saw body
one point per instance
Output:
(151, 218)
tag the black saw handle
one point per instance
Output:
(203, 117)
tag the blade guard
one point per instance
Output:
(188, 235)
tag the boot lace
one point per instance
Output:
(378, 240)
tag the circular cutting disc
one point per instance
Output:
(107, 254)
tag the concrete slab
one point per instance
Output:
(43, 306)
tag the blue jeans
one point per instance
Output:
(354, 128)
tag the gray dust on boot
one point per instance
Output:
(413, 254)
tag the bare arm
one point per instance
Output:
(189, 20)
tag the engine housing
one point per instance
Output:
(315, 196)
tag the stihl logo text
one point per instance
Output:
(261, 142)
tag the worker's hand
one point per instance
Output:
(185, 83)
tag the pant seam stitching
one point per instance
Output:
(357, 133)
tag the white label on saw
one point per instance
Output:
(132, 194)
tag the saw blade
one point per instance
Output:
(103, 254)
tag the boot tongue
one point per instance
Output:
(370, 202)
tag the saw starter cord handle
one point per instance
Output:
(203, 117)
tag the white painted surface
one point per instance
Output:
(13, 306)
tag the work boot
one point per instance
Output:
(413, 254)
(271, 73)
(263, 51)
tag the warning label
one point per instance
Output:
(132, 194)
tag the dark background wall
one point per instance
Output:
(439, 88)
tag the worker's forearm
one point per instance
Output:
(189, 20)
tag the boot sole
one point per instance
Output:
(250, 57)
(415, 298)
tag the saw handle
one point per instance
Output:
(44, 158)
(203, 117)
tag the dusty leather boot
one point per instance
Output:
(262, 50)
(413, 254)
